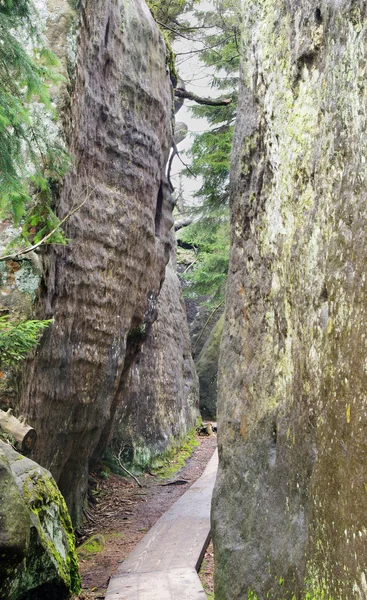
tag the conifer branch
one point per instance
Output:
(43, 241)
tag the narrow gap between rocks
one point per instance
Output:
(120, 513)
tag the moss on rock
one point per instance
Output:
(49, 561)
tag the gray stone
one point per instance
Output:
(207, 370)
(290, 503)
(104, 285)
(161, 397)
(14, 521)
(37, 545)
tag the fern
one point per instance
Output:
(18, 339)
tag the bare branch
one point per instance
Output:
(184, 222)
(117, 457)
(181, 93)
(42, 242)
(206, 325)
(174, 153)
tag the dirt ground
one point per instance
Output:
(206, 572)
(121, 513)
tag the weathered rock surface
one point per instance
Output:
(207, 370)
(104, 284)
(37, 548)
(290, 504)
(161, 398)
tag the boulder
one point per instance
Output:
(37, 546)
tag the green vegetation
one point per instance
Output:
(138, 460)
(92, 546)
(210, 156)
(32, 159)
(210, 238)
(173, 459)
(167, 12)
(53, 523)
(17, 339)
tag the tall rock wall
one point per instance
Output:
(290, 503)
(207, 370)
(160, 403)
(103, 286)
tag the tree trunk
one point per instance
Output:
(24, 435)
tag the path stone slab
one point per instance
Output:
(182, 584)
(163, 565)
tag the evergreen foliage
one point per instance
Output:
(210, 155)
(168, 14)
(17, 339)
(210, 238)
(31, 160)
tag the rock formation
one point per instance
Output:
(290, 504)
(37, 548)
(160, 401)
(103, 286)
(207, 370)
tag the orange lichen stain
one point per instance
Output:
(243, 427)
(14, 266)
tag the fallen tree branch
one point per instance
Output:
(88, 516)
(17, 255)
(181, 93)
(183, 222)
(23, 435)
(117, 457)
(177, 482)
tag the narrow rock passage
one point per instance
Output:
(164, 564)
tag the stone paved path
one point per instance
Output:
(164, 564)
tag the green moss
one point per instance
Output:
(54, 526)
(92, 546)
(174, 458)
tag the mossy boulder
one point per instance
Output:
(38, 557)
(207, 370)
(14, 520)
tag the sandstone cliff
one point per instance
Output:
(103, 286)
(160, 401)
(290, 503)
(207, 370)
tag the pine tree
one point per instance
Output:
(29, 163)
(210, 156)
